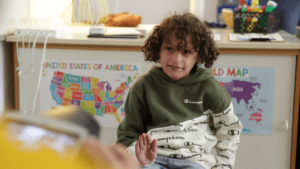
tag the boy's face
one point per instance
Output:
(177, 64)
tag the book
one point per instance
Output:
(114, 36)
(126, 33)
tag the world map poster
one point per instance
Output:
(100, 88)
(252, 93)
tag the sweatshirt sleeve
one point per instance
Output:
(228, 129)
(132, 126)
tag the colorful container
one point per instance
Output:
(255, 22)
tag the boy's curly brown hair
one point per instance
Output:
(182, 25)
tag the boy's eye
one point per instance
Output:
(186, 52)
(168, 49)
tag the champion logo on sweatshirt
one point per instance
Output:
(188, 101)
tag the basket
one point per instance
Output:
(256, 22)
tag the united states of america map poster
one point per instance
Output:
(100, 88)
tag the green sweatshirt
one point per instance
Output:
(187, 118)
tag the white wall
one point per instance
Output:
(151, 11)
(211, 9)
(154, 11)
(206, 10)
(10, 11)
(48, 8)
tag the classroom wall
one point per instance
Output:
(48, 9)
(205, 10)
(211, 10)
(10, 11)
(152, 12)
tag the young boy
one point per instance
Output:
(182, 108)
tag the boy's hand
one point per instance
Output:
(145, 149)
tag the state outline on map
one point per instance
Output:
(89, 93)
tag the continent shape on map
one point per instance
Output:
(97, 97)
(241, 90)
(257, 116)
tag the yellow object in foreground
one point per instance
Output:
(24, 155)
(13, 154)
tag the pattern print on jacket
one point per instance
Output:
(194, 139)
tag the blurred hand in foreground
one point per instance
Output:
(114, 156)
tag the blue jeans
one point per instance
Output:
(162, 162)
